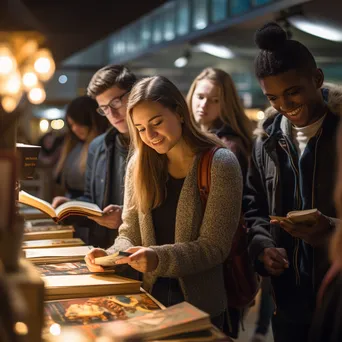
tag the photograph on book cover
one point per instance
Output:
(95, 310)
(7, 189)
(67, 268)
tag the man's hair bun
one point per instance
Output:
(270, 37)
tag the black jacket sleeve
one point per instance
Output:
(256, 209)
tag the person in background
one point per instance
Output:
(292, 167)
(326, 324)
(177, 245)
(106, 162)
(83, 126)
(51, 145)
(216, 107)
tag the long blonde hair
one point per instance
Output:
(231, 110)
(336, 240)
(150, 169)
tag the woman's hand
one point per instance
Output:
(143, 259)
(57, 201)
(111, 217)
(90, 259)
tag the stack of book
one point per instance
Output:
(129, 317)
(48, 232)
(53, 243)
(57, 255)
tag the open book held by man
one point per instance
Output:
(64, 210)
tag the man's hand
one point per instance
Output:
(90, 259)
(57, 201)
(111, 217)
(143, 259)
(314, 235)
(275, 260)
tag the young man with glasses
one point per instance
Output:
(107, 154)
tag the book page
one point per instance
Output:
(36, 202)
(79, 206)
(58, 252)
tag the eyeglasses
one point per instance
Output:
(114, 103)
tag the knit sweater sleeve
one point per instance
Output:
(129, 231)
(219, 223)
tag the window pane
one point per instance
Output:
(239, 6)
(261, 2)
(157, 29)
(200, 17)
(183, 14)
(169, 24)
(145, 33)
(219, 10)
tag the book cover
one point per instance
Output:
(54, 243)
(88, 285)
(67, 268)
(177, 319)
(28, 155)
(62, 211)
(47, 228)
(92, 312)
(58, 254)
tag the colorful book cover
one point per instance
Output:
(97, 310)
(67, 268)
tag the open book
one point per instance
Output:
(308, 217)
(64, 210)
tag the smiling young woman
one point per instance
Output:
(177, 245)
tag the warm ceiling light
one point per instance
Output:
(37, 95)
(216, 50)
(12, 85)
(44, 125)
(7, 61)
(44, 64)
(30, 79)
(9, 103)
(57, 124)
(318, 29)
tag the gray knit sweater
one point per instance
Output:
(200, 245)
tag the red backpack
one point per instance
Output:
(241, 281)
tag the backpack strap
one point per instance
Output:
(204, 174)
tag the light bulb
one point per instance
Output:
(7, 60)
(44, 125)
(9, 103)
(37, 95)
(44, 64)
(30, 79)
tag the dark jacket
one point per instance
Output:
(234, 143)
(104, 181)
(266, 194)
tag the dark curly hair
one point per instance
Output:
(279, 54)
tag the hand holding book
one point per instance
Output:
(309, 225)
(90, 259)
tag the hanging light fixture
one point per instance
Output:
(23, 68)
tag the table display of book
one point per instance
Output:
(87, 285)
(53, 243)
(106, 316)
(62, 211)
(67, 268)
(48, 232)
(57, 255)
